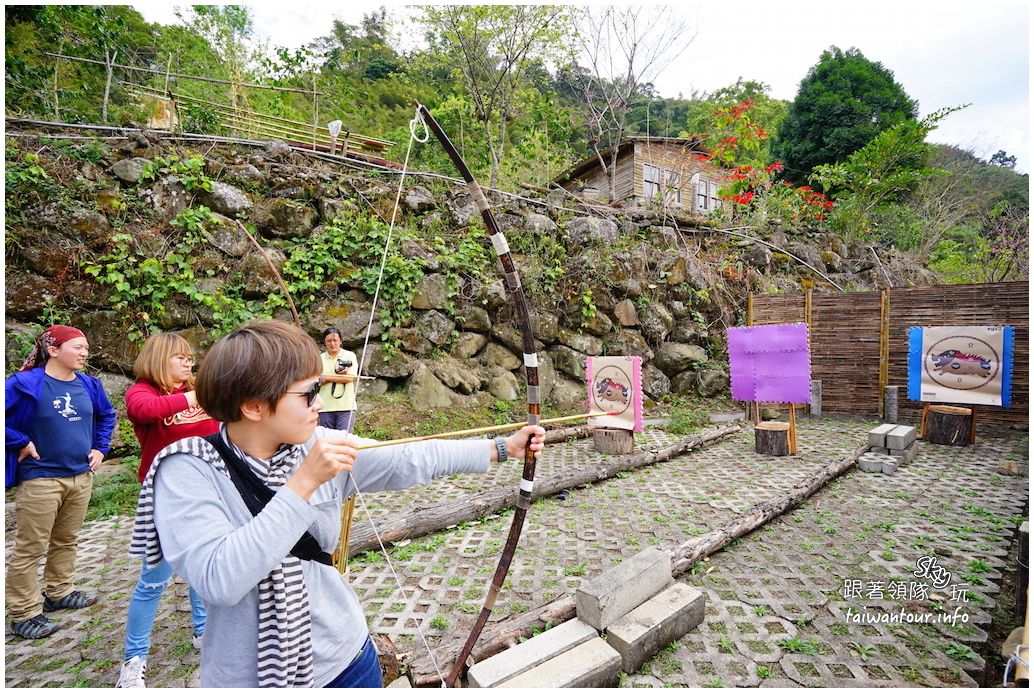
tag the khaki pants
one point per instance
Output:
(49, 513)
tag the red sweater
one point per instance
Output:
(163, 419)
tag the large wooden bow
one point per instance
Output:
(531, 363)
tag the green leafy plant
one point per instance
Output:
(864, 651)
(190, 171)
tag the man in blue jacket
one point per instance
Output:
(58, 428)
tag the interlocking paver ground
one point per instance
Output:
(782, 583)
(787, 604)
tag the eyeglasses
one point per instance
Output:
(310, 395)
(184, 359)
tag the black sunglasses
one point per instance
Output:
(310, 394)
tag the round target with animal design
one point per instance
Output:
(961, 362)
(612, 390)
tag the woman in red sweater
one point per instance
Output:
(162, 407)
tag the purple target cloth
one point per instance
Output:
(770, 363)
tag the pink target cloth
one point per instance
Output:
(615, 386)
(770, 363)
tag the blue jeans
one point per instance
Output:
(144, 606)
(363, 672)
(338, 420)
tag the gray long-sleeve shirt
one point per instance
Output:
(212, 540)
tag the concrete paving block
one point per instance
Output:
(901, 437)
(880, 451)
(660, 621)
(593, 664)
(869, 464)
(878, 435)
(614, 593)
(889, 467)
(491, 672)
(905, 456)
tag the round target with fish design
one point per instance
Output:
(961, 363)
(612, 390)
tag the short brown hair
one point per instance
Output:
(257, 361)
(152, 363)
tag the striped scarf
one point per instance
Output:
(284, 647)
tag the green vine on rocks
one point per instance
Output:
(190, 171)
(142, 285)
(349, 250)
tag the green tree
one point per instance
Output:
(766, 112)
(882, 174)
(1002, 159)
(228, 30)
(363, 50)
(844, 101)
(492, 49)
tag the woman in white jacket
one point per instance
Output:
(247, 516)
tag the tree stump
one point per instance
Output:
(772, 438)
(949, 425)
(613, 441)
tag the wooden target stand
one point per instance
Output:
(948, 425)
(776, 438)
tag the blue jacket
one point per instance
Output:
(21, 400)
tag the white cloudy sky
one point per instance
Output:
(944, 53)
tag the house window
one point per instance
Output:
(651, 181)
(672, 187)
(705, 194)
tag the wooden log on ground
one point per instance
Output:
(772, 438)
(387, 657)
(421, 520)
(949, 425)
(503, 634)
(613, 441)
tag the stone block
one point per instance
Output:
(868, 463)
(617, 591)
(901, 437)
(643, 631)
(593, 664)
(400, 682)
(878, 435)
(889, 467)
(880, 451)
(491, 672)
(905, 456)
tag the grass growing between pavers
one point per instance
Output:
(881, 530)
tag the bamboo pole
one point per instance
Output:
(179, 75)
(884, 346)
(315, 111)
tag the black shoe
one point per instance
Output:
(36, 627)
(73, 600)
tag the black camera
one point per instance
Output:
(342, 366)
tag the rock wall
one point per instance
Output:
(659, 287)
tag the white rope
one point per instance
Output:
(417, 120)
(1014, 658)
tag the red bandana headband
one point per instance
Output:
(53, 336)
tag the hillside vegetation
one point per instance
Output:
(524, 98)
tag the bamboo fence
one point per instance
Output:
(859, 340)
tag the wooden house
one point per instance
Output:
(649, 171)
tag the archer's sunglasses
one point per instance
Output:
(310, 395)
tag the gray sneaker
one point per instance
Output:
(38, 626)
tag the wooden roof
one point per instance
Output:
(593, 161)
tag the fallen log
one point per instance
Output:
(421, 520)
(499, 636)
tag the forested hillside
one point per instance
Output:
(527, 91)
